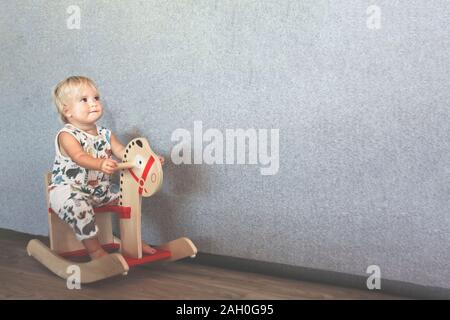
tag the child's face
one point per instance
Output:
(83, 108)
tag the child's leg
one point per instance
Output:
(74, 207)
(94, 248)
(108, 196)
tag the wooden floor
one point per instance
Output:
(22, 277)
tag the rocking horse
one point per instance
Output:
(141, 176)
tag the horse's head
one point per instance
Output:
(147, 171)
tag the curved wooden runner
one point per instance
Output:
(110, 265)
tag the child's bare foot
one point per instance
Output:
(94, 248)
(147, 249)
(98, 253)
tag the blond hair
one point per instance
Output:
(67, 87)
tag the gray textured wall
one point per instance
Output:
(363, 117)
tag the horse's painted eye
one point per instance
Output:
(139, 161)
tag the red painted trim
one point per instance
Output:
(132, 262)
(83, 252)
(134, 175)
(140, 181)
(147, 167)
(159, 255)
(124, 212)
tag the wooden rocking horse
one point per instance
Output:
(141, 176)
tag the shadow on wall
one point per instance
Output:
(166, 211)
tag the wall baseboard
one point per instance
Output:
(402, 289)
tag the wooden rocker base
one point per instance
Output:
(110, 265)
(180, 248)
(141, 176)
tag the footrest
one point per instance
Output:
(159, 255)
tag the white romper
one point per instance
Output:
(74, 191)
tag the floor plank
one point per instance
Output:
(22, 277)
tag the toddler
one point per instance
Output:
(83, 163)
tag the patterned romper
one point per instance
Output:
(74, 190)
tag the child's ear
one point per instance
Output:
(66, 111)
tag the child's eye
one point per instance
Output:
(97, 98)
(84, 100)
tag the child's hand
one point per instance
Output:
(108, 166)
(161, 159)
